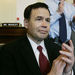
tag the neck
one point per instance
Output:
(37, 41)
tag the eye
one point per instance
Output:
(38, 19)
(48, 20)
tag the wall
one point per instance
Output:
(11, 9)
(7, 11)
(21, 5)
(70, 1)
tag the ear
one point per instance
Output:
(26, 23)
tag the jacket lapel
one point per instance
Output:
(30, 57)
(52, 50)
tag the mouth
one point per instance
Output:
(43, 31)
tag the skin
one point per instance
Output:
(68, 53)
(61, 7)
(38, 29)
(63, 64)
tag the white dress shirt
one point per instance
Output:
(35, 50)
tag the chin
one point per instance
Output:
(43, 37)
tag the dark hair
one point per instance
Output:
(27, 11)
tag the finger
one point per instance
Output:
(71, 44)
(68, 61)
(62, 64)
(67, 47)
(58, 59)
(67, 57)
(59, 62)
(67, 54)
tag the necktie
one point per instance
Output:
(62, 29)
(43, 62)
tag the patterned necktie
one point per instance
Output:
(43, 62)
(62, 29)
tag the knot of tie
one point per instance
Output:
(40, 48)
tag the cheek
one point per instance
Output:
(49, 28)
(32, 29)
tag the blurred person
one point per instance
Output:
(57, 8)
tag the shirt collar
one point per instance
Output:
(34, 45)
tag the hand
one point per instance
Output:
(68, 53)
(57, 66)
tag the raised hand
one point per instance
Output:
(68, 56)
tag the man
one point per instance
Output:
(57, 8)
(22, 57)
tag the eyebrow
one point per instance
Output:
(39, 17)
(42, 17)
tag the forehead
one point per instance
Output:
(40, 12)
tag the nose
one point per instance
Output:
(44, 24)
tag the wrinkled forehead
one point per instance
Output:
(40, 11)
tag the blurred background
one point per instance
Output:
(12, 10)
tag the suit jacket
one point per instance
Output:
(17, 58)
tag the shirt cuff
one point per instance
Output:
(72, 72)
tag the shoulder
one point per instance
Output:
(52, 48)
(50, 43)
(14, 45)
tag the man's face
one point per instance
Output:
(39, 24)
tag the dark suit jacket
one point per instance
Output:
(17, 58)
